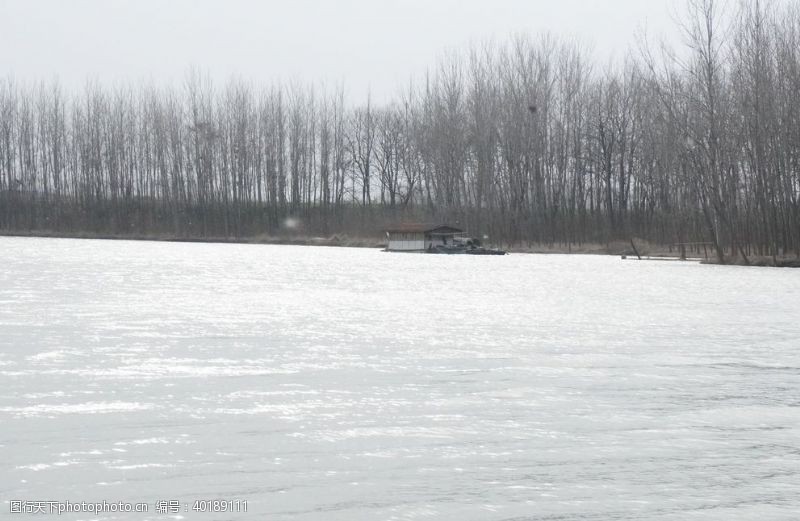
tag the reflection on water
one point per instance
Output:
(342, 384)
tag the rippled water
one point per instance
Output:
(348, 384)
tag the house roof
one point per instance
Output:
(422, 228)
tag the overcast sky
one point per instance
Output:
(374, 45)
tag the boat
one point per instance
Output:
(485, 251)
(434, 238)
(464, 246)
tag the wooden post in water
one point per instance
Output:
(635, 250)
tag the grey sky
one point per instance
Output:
(366, 44)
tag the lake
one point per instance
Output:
(347, 384)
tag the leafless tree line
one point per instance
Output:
(526, 142)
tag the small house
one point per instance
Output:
(420, 237)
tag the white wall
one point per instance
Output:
(406, 242)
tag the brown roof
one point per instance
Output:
(422, 228)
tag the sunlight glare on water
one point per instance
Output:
(347, 384)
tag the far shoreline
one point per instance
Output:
(615, 248)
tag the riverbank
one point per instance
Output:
(620, 248)
(343, 240)
(655, 252)
(334, 240)
(759, 262)
(616, 248)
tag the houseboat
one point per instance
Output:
(434, 238)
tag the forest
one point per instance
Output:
(525, 142)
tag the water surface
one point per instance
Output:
(348, 384)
